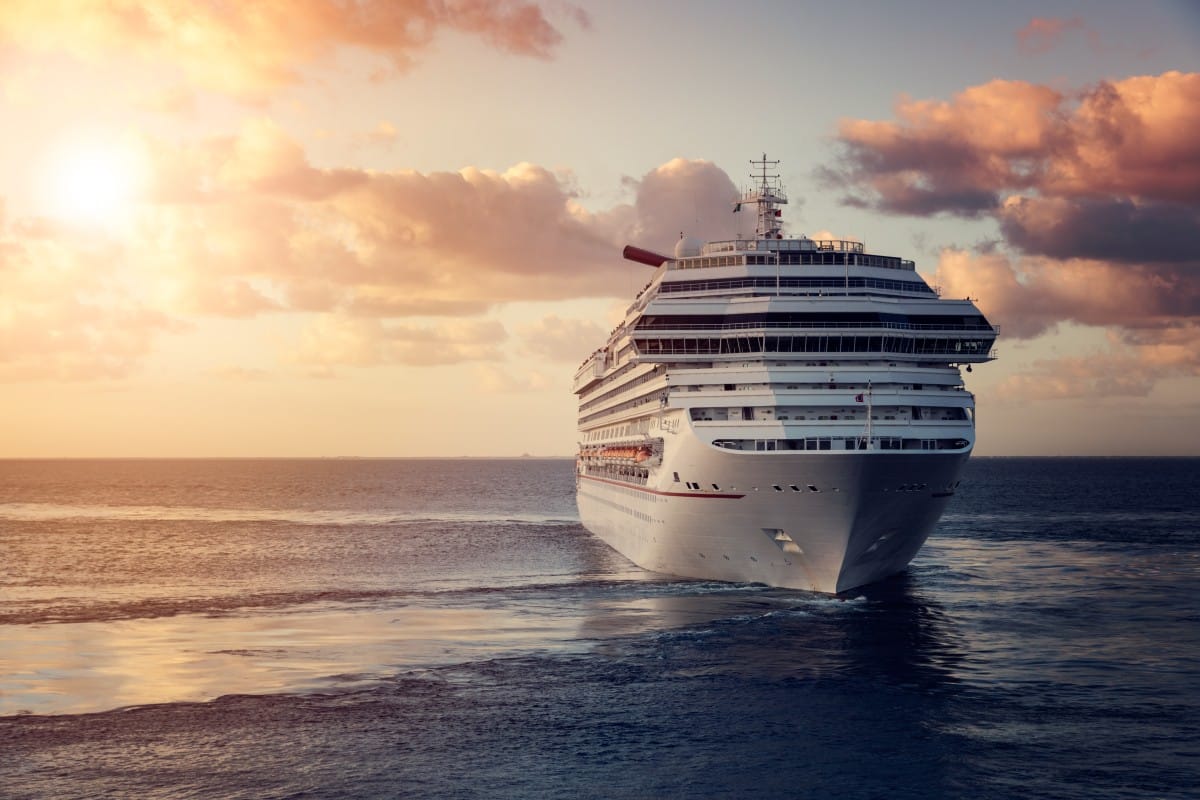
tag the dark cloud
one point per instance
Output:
(1103, 229)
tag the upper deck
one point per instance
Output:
(802, 250)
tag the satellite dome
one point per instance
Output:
(687, 246)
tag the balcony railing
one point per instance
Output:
(742, 326)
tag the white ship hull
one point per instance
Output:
(837, 520)
(779, 410)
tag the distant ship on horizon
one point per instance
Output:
(776, 409)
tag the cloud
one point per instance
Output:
(1043, 34)
(250, 49)
(385, 134)
(682, 196)
(1030, 296)
(1130, 139)
(555, 339)
(948, 156)
(178, 99)
(1130, 368)
(68, 310)
(333, 340)
(1095, 194)
(248, 225)
(243, 225)
(1117, 229)
(240, 374)
(494, 379)
(230, 297)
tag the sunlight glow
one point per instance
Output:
(94, 182)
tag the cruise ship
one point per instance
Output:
(777, 409)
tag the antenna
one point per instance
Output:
(763, 176)
(766, 195)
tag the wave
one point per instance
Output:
(67, 611)
(46, 512)
(1055, 517)
(78, 610)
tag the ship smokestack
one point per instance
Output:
(643, 256)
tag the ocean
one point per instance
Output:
(447, 629)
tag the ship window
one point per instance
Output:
(793, 487)
(676, 477)
(716, 488)
(812, 488)
(777, 487)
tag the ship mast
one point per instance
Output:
(767, 194)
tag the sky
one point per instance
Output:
(325, 228)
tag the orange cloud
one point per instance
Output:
(683, 196)
(953, 156)
(1130, 368)
(1043, 34)
(495, 379)
(67, 309)
(384, 134)
(249, 213)
(238, 226)
(177, 99)
(555, 339)
(252, 48)
(333, 340)
(1131, 138)
(1097, 191)
(1029, 296)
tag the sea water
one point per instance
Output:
(446, 628)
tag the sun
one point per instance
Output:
(94, 183)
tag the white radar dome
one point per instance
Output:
(688, 246)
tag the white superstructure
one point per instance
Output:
(780, 410)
